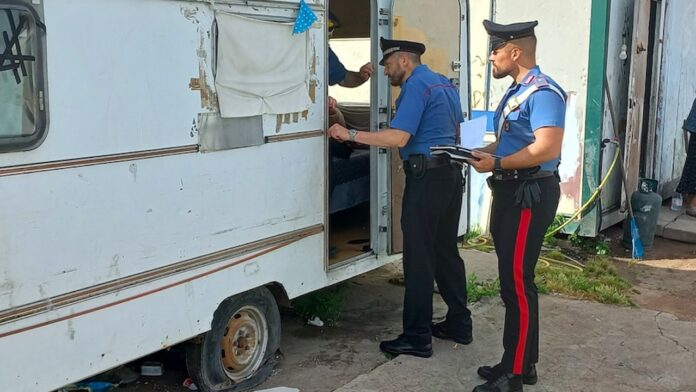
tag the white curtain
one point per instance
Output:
(261, 67)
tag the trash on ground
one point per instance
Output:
(188, 383)
(151, 369)
(315, 321)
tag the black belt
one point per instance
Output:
(430, 162)
(522, 174)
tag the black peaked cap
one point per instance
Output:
(501, 33)
(390, 46)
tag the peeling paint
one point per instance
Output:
(279, 122)
(209, 98)
(190, 13)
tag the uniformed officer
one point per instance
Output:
(428, 112)
(525, 185)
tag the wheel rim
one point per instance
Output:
(244, 343)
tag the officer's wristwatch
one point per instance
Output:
(497, 165)
(352, 133)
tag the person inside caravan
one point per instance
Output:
(687, 182)
(525, 187)
(338, 74)
(428, 112)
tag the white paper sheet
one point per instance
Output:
(472, 132)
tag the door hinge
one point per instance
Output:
(382, 125)
(383, 110)
(456, 65)
(382, 151)
(383, 229)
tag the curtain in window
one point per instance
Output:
(261, 68)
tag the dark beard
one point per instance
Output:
(397, 80)
(499, 75)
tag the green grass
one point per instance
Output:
(327, 303)
(599, 282)
(473, 232)
(597, 245)
(476, 289)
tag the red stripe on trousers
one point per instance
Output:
(518, 276)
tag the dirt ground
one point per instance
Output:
(323, 359)
(315, 359)
(665, 280)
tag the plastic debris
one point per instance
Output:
(151, 369)
(188, 383)
(315, 321)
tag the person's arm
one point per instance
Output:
(355, 79)
(547, 118)
(546, 147)
(489, 149)
(389, 137)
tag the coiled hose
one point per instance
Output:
(483, 243)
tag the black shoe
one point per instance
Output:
(401, 345)
(492, 372)
(440, 331)
(506, 382)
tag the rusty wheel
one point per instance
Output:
(244, 343)
(237, 353)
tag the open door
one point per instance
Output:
(443, 30)
(638, 82)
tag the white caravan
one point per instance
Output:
(163, 171)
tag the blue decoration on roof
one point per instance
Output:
(305, 18)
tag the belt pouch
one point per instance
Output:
(416, 164)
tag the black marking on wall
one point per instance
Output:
(12, 58)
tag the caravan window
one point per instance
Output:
(22, 106)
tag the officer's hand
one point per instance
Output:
(484, 162)
(332, 103)
(366, 71)
(338, 132)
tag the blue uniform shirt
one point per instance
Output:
(544, 108)
(337, 72)
(429, 109)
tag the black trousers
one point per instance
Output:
(518, 234)
(430, 218)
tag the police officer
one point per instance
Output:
(428, 112)
(525, 186)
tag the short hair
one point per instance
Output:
(415, 58)
(527, 44)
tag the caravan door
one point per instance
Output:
(444, 31)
